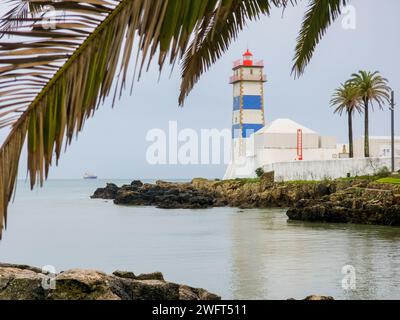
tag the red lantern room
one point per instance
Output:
(247, 58)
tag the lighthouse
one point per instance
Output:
(248, 101)
(282, 146)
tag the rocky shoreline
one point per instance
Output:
(357, 200)
(162, 195)
(374, 204)
(22, 282)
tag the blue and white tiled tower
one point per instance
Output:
(248, 101)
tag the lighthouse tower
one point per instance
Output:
(248, 101)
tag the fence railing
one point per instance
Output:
(238, 63)
(247, 77)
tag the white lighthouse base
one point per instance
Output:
(243, 168)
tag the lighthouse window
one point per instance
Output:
(251, 71)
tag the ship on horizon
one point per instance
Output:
(88, 176)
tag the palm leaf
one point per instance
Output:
(319, 16)
(52, 80)
(59, 76)
(215, 35)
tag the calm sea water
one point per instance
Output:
(240, 254)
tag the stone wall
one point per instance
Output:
(331, 169)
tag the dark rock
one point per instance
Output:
(151, 276)
(130, 197)
(322, 190)
(137, 183)
(268, 177)
(350, 205)
(162, 194)
(318, 298)
(109, 192)
(188, 293)
(20, 266)
(124, 274)
(143, 276)
(315, 298)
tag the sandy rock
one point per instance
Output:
(27, 283)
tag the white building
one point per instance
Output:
(284, 146)
(379, 147)
(283, 140)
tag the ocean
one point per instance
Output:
(238, 254)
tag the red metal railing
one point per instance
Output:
(247, 77)
(238, 63)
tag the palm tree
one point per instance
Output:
(54, 76)
(373, 89)
(347, 98)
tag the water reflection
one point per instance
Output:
(273, 258)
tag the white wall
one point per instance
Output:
(327, 142)
(267, 156)
(333, 169)
(377, 147)
(285, 140)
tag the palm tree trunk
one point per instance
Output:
(366, 128)
(350, 119)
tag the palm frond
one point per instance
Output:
(319, 16)
(374, 88)
(53, 78)
(347, 98)
(214, 36)
(74, 68)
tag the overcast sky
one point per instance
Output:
(113, 143)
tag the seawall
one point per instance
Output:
(328, 169)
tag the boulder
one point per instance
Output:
(350, 205)
(137, 184)
(27, 283)
(318, 298)
(109, 192)
(315, 298)
(163, 194)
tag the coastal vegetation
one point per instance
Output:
(259, 172)
(347, 99)
(362, 91)
(374, 90)
(390, 180)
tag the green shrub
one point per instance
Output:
(383, 172)
(389, 180)
(260, 172)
